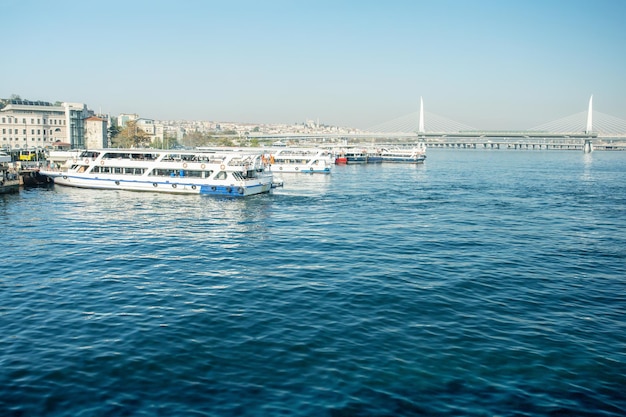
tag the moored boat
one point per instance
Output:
(355, 156)
(415, 155)
(374, 156)
(9, 178)
(294, 160)
(226, 173)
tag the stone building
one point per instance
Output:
(26, 124)
(96, 135)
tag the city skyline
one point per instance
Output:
(487, 64)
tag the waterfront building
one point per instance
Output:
(28, 124)
(96, 133)
(124, 118)
(154, 130)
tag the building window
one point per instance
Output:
(24, 121)
(32, 131)
(32, 121)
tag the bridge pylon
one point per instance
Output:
(420, 126)
(587, 146)
(589, 128)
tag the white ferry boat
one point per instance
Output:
(225, 173)
(415, 155)
(299, 160)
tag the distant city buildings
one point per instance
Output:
(26, 124)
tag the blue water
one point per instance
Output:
(483, 283)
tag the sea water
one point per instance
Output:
(482, 283)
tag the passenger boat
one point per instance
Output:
(415, 155)
(9, 178)
(307, 160)
(374, 156)
(226, 173)
(356, 156)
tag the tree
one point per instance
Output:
(113, 131)
(121, 141)
(131, 136)
(195, 139)
(168, 142)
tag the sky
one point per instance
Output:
(492, 64)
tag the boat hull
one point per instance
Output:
(404, 160)
(9, 187)
(360, 159)
(161, 185)
(306, 169)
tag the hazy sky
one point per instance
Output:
(499, 64)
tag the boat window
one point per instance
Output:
(238, 176)
(142, 156)
(172, 157)
(222, 175)
(134, 171)
(203, 158)
(110, 155)
(196, 174)
(89, 154)
(102, 170)
(161, 172)
(164, 172)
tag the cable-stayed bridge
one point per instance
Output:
(604, 125)
(410, 124)
(577, 131)
(582, 130)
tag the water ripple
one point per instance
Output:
(461, 287)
